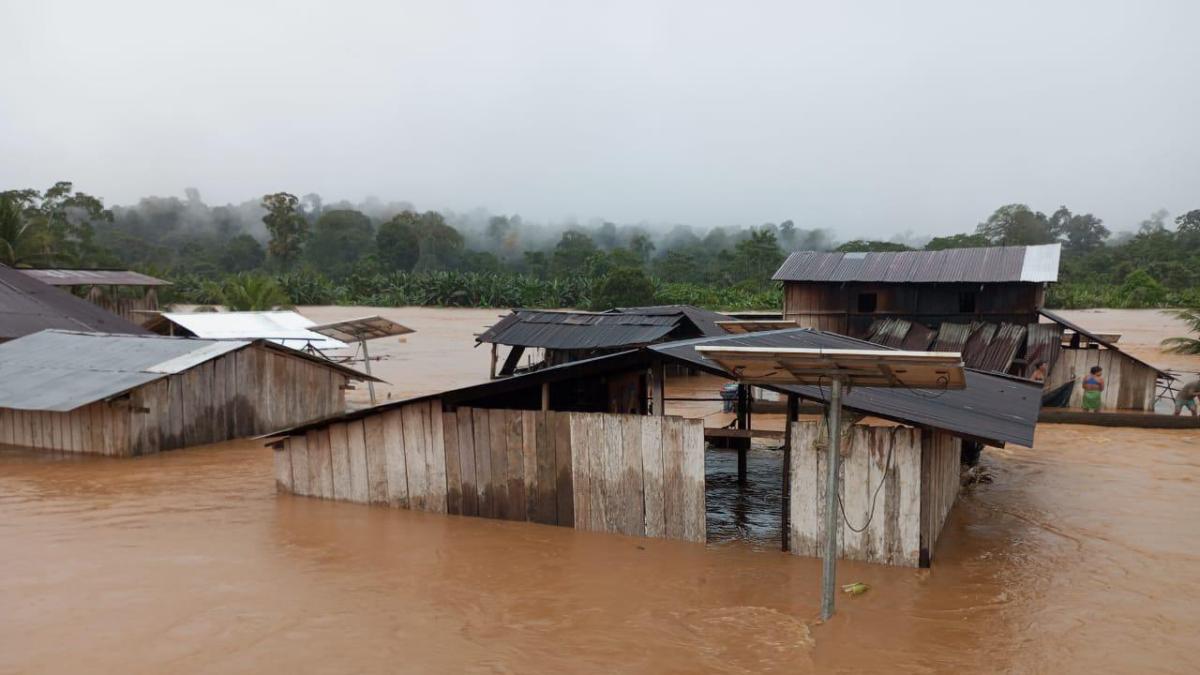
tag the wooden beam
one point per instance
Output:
(658, 387)
(722, 432)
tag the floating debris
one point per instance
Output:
(856, 588)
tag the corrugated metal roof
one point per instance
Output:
(977, 343)
(286, 328)
(95, 278)
(362, 328)
(1002, 348)
(579, 330)
(28, 306)
(1043, 342)
(991, 407)
(705, 321)
(951, 337)
(63, 370)
(995, 264)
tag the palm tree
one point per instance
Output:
(1185, 345)
(21, 244)
(252, 293)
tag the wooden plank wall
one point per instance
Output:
(940, 460)
(1129, 385)
(892, 535)
(249, 392)
(627, 474)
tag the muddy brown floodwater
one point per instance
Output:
(1081, 556)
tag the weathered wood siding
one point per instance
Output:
(940, 460)
(138, 310)
(628, 474)
(249, 392)
(893, 534)
(1128, 385)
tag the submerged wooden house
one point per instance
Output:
(130, 295)
(28, 306)
(552, 446)
(126, 395)
(551, 337)
(987, 303)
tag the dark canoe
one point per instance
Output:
(1059, 396)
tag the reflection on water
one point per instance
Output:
(1082, 556)
(751, 512)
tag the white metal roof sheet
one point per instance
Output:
(1041, 263)
(287, 328)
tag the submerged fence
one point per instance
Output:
(627, 474)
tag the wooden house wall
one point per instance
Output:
(912, 504)
(252, 391)
(833, 306)
(1128, 385)
(629, 474)
(138, 310)
(941, 456)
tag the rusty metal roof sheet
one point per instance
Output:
(995, 264)
(57, 277)
(977, 343)
(1043, 342)
(1002, 348)
(951, 337)
(28, 306)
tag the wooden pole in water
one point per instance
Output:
(793, 410)
(743, 422)
(833, 458)
(493, 372)
(367, 367)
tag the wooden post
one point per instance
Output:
(545, 396)
(492, 376)
(743, 422)
(793, 410)
(658, 388)
(362, 341)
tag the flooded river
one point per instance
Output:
(1082, 555)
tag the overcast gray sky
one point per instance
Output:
(870, 118)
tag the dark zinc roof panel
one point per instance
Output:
(578, 330)
(995, 264)
(63, 277)
(28, 306)
(991, 407)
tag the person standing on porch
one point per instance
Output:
(1187, 397)
(1093, 384)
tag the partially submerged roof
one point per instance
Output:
(853, 367)
(63, 277)
(994, 264)
(28, 306)
(363, 328)
(286, 328)
(991, 408)
(63, 370)
(615, 328)
(1099, 339)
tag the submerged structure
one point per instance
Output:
(127, 395)
(554, 446)
(130, 295)
(987, 303)
(560, 336)
(28, 305)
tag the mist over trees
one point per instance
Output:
(321, 251)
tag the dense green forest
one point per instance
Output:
(284, 249)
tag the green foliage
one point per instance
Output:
(1143, 290)
(573, 254)
(1186, 344)
(1017, 225)
(340, 238)
(21, 244)
(440, 246)
(757, 257)
(243, 253)
(396, 242)
(287, 226)
(956, 241)
(861, 245)
(251, 292)
(623, 287)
